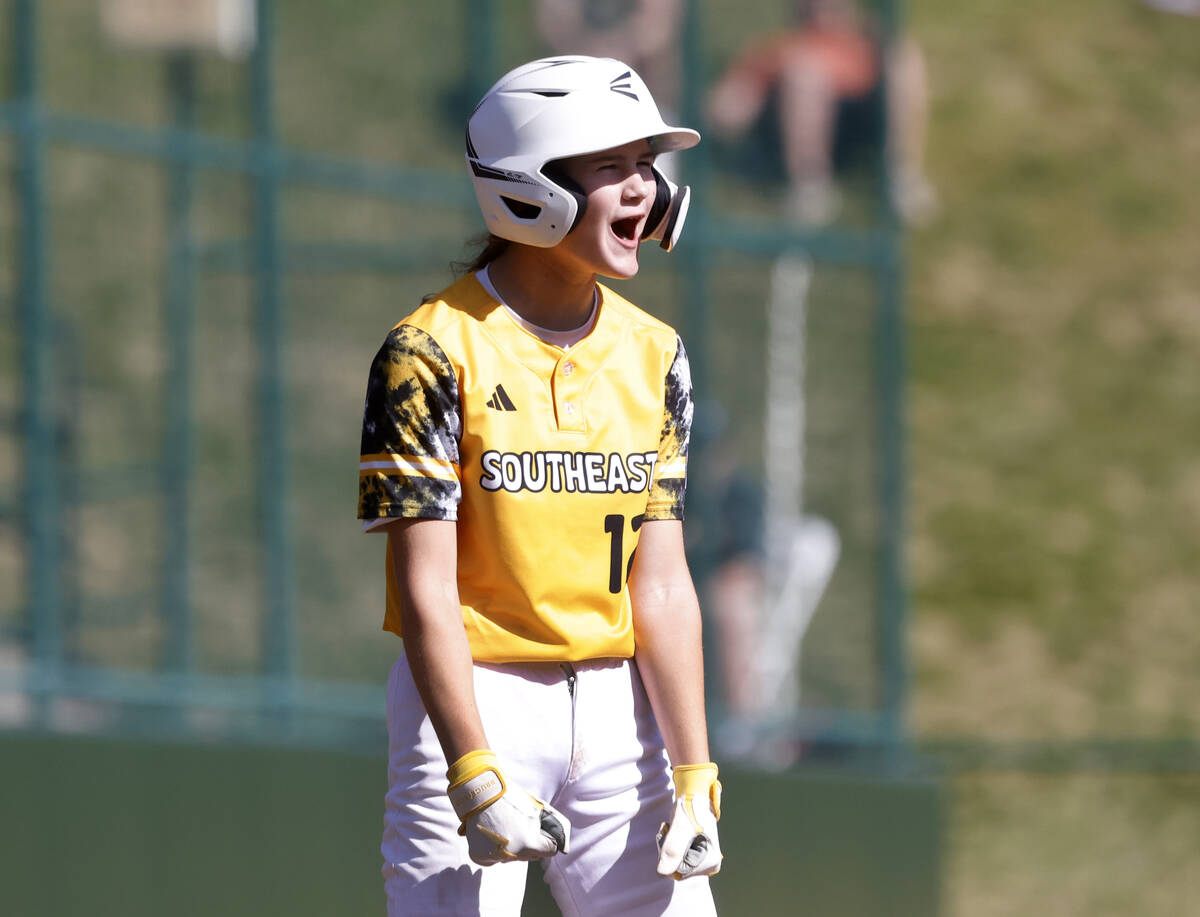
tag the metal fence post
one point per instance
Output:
(40, 456)
(176, 610)
(279, 630)
(691, 265)
(482, 34)
(890, 376)
(893, 600)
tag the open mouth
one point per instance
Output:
(626, 229)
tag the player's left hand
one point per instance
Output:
(688, 844)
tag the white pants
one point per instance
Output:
(595, 754)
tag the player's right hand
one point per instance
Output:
(500, 820)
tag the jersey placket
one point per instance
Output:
(567, 386)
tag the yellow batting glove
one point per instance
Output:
(500, 820)
(688, 844)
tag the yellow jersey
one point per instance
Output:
(550, 459)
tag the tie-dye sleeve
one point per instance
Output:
(412, 423)
(670, 471)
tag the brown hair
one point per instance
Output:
(488, 248)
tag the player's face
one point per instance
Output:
(620, 189)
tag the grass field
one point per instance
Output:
(1073, 845)
(1054, 325)
(1054, 330)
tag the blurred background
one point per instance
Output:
(940, 292)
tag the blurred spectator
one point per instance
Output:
(725, 542)
(736, 591)
(821, 80)
(1182, 7)
(641, 33)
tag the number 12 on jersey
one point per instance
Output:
(614, 524)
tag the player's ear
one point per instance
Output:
(665, 223)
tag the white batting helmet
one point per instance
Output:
(553, 108)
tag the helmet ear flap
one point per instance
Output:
(557, 174)
(667, 213)
(662, 201)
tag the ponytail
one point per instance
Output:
(488, 248)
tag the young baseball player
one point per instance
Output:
(525, 431)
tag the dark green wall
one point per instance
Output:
(109, 827)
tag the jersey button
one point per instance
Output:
(568, 368)
(569, 407)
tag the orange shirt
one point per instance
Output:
(849, 57)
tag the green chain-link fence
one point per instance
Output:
(205, 251)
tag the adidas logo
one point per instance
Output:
(500, 400)
(622, 85)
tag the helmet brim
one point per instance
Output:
(676, 138)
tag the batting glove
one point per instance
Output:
(499, 820)
(688, 844)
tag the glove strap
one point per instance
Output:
(698, 780)
(475, 782)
